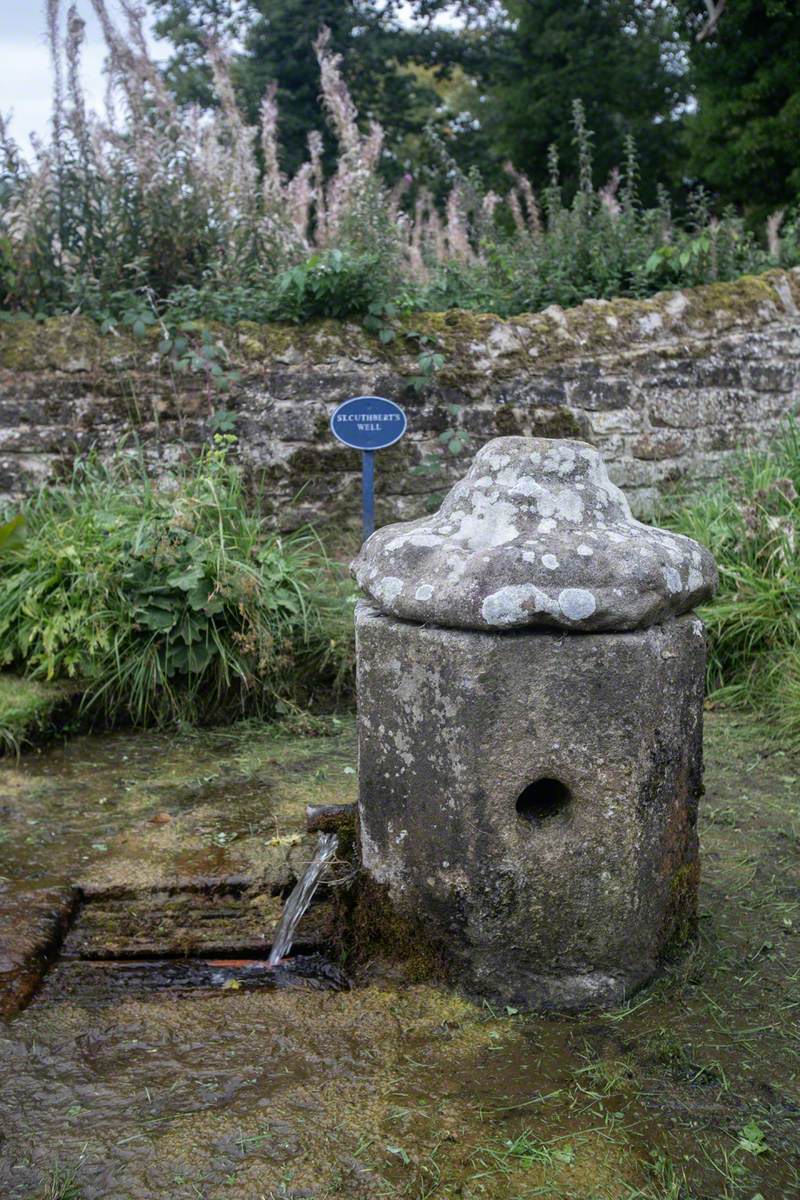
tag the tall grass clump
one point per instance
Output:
(190, 211)
(168, 600)
(751, 523)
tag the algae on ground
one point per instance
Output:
(691, 1089)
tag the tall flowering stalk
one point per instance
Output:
(154, 195)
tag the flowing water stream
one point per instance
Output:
(145, 1068)
(298, 902)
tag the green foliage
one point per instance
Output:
(12, 534)
(170, 600)
(162, 221)
(61, 1183)
(752, 1139)
(600, 245)
(744, 135)
(751, 523)
(27, 708)
(335, 284)
(621, 58)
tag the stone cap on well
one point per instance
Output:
(534, 535)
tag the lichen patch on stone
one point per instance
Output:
(536, 534)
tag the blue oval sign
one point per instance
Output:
(368, 423)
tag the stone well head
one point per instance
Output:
(530, 683)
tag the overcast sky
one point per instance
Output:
(25, 77)
(25, 82)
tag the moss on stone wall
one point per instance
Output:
(471, 342)
(664, 387)
(373, 931)
(57, 344)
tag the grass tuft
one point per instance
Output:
(751, 523)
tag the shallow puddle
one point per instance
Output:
(146, 1080)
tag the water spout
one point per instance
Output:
(299, 900)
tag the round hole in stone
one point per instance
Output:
(543, 799)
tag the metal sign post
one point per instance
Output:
(368, 491)
(368, 423)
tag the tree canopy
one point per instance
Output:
(619, 57)
(744, 136)
(708, 89)
(394, 55)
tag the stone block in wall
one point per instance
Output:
(620, 420)
(311, 462)
(684, 409)
(630, 473)
(601, 394)
(43, 439)
(38, 398)
(507, 420)
(525, 392)
(613, 447)
(739, 410)
(788, 342)
(403, 392)
(284, 421)
(716, 373)
(769, 344)
(769, 377)
(659, 444)
(722, 437)
(712, 464)
(644, 501)
(408, 508)
(670, 374)
(556, 423)
(23, 404)
(21, 474)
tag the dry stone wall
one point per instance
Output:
(666, 388)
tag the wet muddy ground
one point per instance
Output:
(131, 1074)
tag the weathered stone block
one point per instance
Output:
(601, 394)
(532, 798)
(717, 374)
(659, 444)
(537, 391)
(535, 534)
(619, 420)
(774, 378)
(684, 409)
(630, 473)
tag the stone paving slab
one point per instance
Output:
(186, 853)
(159, 845)
(32, 924)
(163, 924)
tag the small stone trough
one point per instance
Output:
(530, 690)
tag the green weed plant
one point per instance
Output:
(169, 600)
(751, 523)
